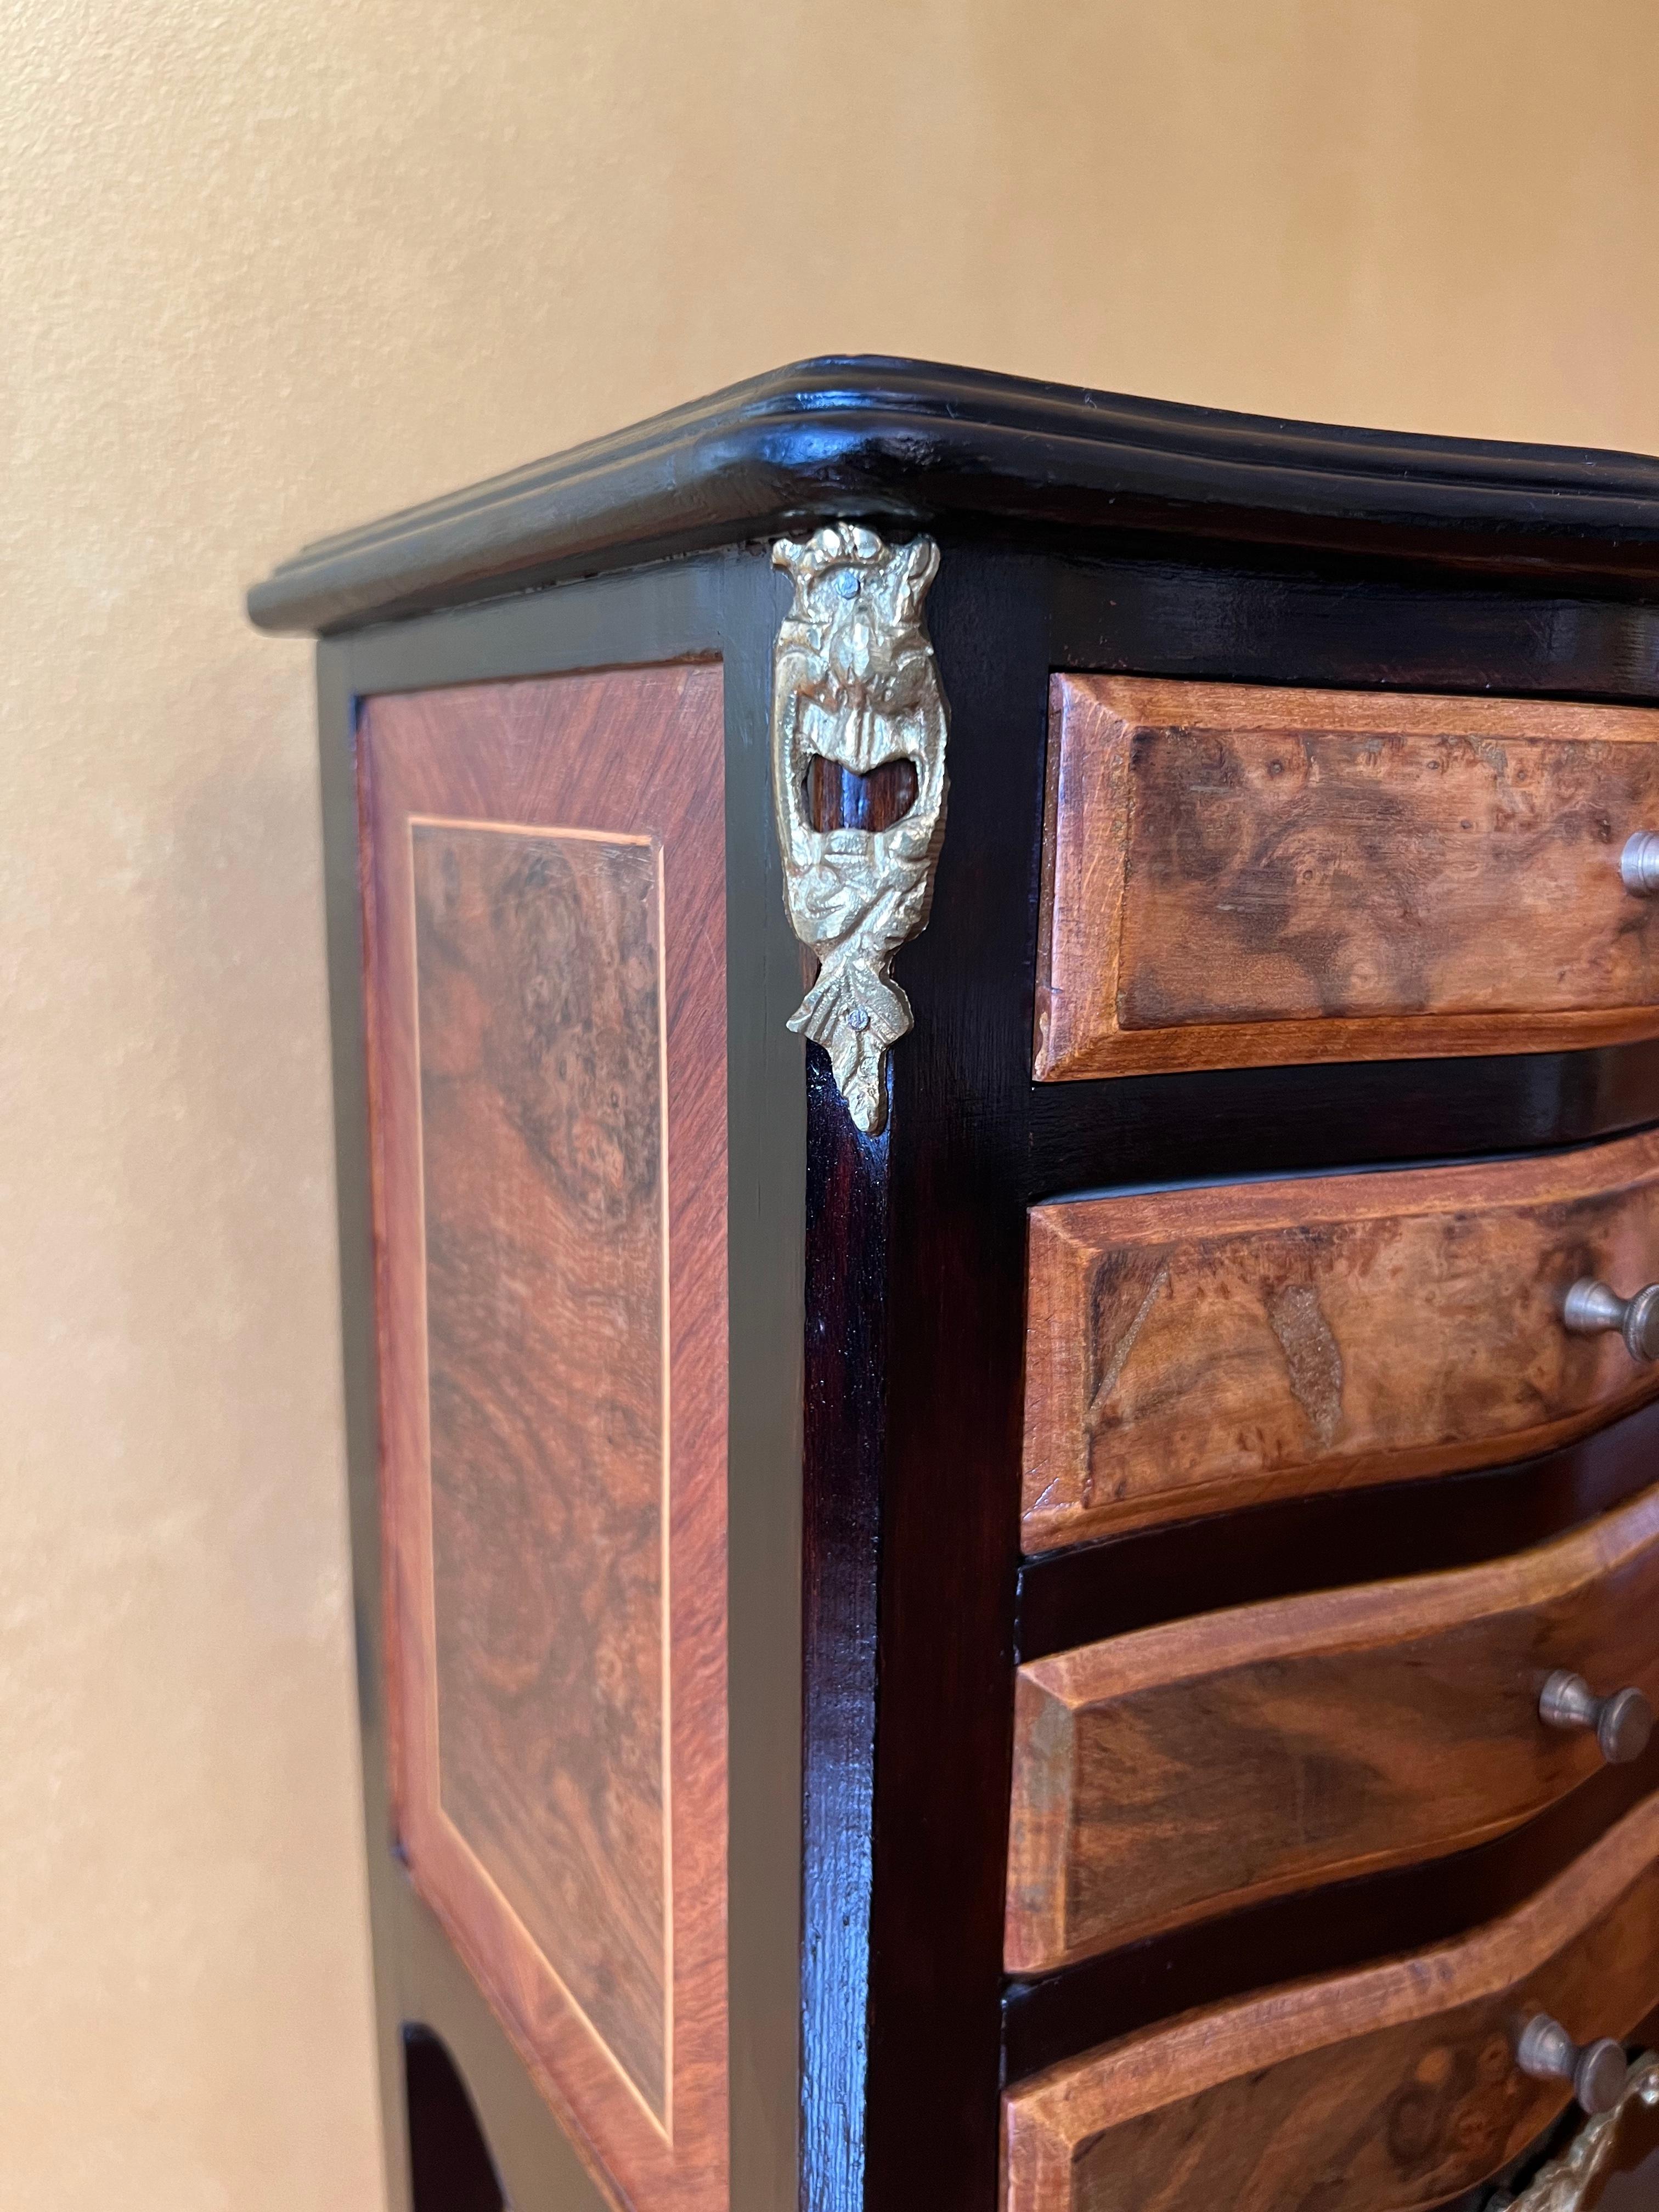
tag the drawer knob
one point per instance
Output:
(1574, 2180)
(1547, 2052)
(1638, 863)
(1590, 1306)
(1623, 1723)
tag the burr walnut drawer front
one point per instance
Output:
(1195, 1349)
(1235, 875)
(1386, 2090)
(1213, 1763)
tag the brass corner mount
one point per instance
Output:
(854, 683)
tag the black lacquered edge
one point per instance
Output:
(1321, 1932)
(1070, 1598)
(916, 443)
(845, 1398)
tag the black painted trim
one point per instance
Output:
(918, 444)
(962, 1097)
(847, 1198)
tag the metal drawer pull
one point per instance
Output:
(1638, 863)
(1567, 2182)
(1547, 2052)
(1623, 1723)
(1589, 1307)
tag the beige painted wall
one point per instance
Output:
(272, 265)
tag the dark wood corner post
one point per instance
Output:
(845, 1393)
(915, 1327)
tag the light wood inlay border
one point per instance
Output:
(634, 756)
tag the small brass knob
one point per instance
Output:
(1638, 863)
(1589, 1307)
(1547, 2052)
(1623, 1723)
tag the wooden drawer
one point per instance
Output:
(1236, 875)
(1192, 1349)
(1386, 2090)
(1213, 1763)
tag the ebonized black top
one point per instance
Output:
(908, 443)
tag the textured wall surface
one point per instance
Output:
(270, 266)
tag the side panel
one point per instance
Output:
(544, 904)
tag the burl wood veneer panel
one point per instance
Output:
(545, 927)
(1190, 1350)
(538, 986)
(1388, 2090)
(1214, 1762)
(1235, 875)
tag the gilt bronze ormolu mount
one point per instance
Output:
(854, 683)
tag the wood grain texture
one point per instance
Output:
(539, 960)
(1211, 1763)
(1344, 1926)
(1236, 875)
(1087, 1592)
(974, 1143)
(1189, 1350)
(544, 889)
(1634, 2183)
(1383, 2091)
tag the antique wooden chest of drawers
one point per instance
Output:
(997, 1059)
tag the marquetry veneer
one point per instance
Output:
(983, 1034)
(1235, 875)
(1213, 1762)
(1388, 2090)
(1191, 1349)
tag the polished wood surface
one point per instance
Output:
(1236, 875)
(898, 443)
(543, 918)
(1214, 1762)
(1193, 1349)
(1386, 2090)
(1086, 1592)
(903, 2070)
(538, 984)
(1344, 1925)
